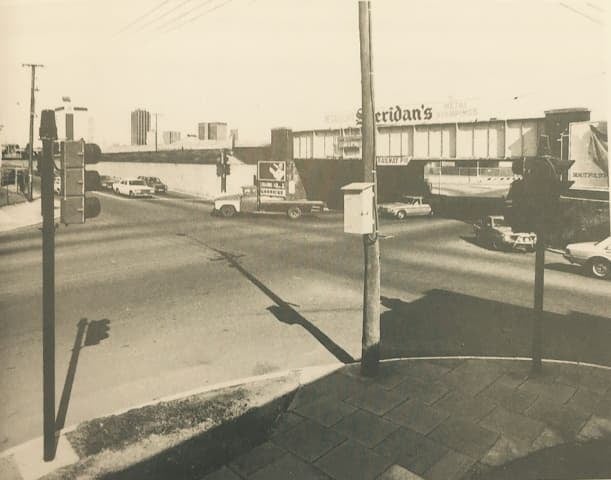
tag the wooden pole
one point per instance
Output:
(371, 290)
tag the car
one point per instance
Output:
(134, 187)
(594, 257)
(157, 185)
(493, 231)
(57, 185)
(107, 181)
(409, 206)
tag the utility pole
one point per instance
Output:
(32, 114)
(48, 134)
(370, 357)
(538, 300)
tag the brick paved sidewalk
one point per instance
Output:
(433, 419)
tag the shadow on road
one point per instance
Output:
(447, 323)
(285, 312)
(93, 332)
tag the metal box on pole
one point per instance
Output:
(358, 208)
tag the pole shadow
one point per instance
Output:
(285, 312)
(88, 333)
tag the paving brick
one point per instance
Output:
(512, 425)
(452, 466)
(222, 473)
(377, 400)
(464, 436)
(397, 472)
(595, 427)
(309, 440)
(584, 400)
(426, 369)
(596, 380)
(505, 450)
(467, 406)
(411, 450)
(286, 421)
(555, 392)
(352, 461)
(565, 420)
(512, 379)
(289, 467)
(391, 374)
(257, 458)
(425, 391)
(548, 438)
(365, 427)
(508, 397)
(326, 411)
(417, 416)
(473, 376)
(340, 386)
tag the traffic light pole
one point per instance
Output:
(370, 356)
(538, 304)
(48, 283)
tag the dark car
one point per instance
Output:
(107, 181)
(157, 185)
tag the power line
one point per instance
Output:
(164, 25)
(164, 15)
(142, 17)
(579, 12)
(198, 16)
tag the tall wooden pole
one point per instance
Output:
(538, 300)
(371, 292)
(32, 114)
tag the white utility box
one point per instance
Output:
(358, 208)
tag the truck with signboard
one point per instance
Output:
(271, 193)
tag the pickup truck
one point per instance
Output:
(247, 202)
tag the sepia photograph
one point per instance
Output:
(315, 239)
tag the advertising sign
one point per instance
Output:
(588, 147)
(272, 179)
(386, 160)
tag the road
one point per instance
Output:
(192, 300)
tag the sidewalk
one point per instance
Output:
(429, 418)
(432, 419)
(22, 215)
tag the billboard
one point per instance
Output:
(589, 148)
(272, 179)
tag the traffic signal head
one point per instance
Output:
(227, 169)
(75, 208)
(219, 168)
(97, 330)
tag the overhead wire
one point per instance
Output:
(579, 12)
(142, 17)
(192, 19)
(164, 26)
(164, 14)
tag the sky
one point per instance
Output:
(260, 64)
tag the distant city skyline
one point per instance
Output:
(296, 64)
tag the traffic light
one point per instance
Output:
(75, 206)
(227, 169)
(219, 168)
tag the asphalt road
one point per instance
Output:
(192, 300)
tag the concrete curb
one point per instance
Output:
(27, 457)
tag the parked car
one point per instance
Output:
(133, 187)
(594, 257)
(157, 185)
(107, 181)
(409, 206)
(494, 232)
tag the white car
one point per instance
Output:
(133, 187)
(409, 206)
(595, 257)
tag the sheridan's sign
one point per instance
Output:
(397, 114)
(452, 110)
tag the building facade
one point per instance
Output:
(212, 130)
(170, 137)
(141, 124)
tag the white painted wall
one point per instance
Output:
(200, 180)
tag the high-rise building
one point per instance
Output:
(171, 137)
(141, 123)
(212, 130)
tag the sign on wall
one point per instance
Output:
(589, 149)
(272, 179)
